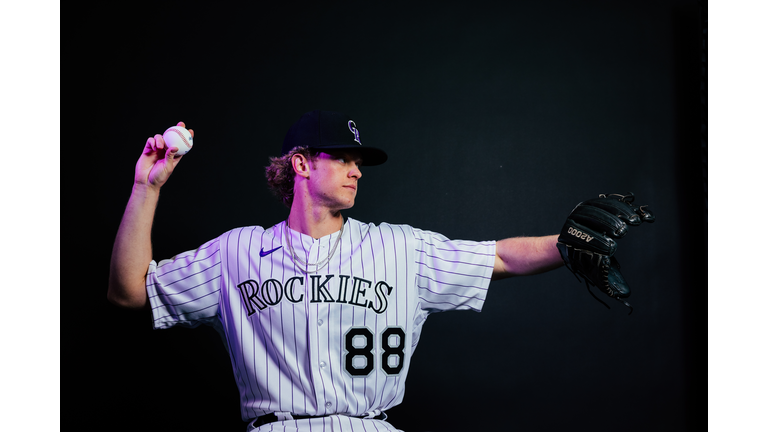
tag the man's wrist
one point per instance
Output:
(145, 192)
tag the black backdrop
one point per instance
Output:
(498, 118)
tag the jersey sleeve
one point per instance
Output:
(452, 274)
(184, 290)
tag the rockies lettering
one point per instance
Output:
(272, 292)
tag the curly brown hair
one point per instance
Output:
(280, 174)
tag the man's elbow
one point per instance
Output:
(120, 298)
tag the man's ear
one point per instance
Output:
(300, 165)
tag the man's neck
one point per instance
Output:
(315, 224)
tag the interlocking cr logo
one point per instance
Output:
(353, 129)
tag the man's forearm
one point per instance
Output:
(132, 251)
(519, 256)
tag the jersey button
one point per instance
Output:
(328, 404)
(319, 322)
(322, 364)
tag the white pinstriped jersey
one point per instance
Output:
(338, 341)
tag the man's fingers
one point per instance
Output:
(159, 142)
(171, 153)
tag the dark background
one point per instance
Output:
(498, 118)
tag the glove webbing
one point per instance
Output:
(586, 282)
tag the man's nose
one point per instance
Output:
(356, 172)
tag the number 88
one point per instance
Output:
(366, 351)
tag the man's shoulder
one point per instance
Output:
(378, 226)
(383, 233)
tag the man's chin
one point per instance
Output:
(349, 205)
(343, 206)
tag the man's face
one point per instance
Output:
(333, 179)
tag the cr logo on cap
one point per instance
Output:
(353, 129)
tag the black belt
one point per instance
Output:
(271, 417)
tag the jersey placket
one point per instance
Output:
(318, 334)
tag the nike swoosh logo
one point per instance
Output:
(263, 254)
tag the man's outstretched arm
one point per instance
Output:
(520, 256)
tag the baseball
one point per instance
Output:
(177, 136)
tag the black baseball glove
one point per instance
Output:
(587, 241)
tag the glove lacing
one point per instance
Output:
(586, 282)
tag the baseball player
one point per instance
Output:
(320, 314)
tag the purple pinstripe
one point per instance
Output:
(396, 274)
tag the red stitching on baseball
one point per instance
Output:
(183, 138)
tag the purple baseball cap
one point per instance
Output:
(330, 130)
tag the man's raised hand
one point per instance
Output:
(157, 161)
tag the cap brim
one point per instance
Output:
(371, 156)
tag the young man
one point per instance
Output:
(320, 314)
